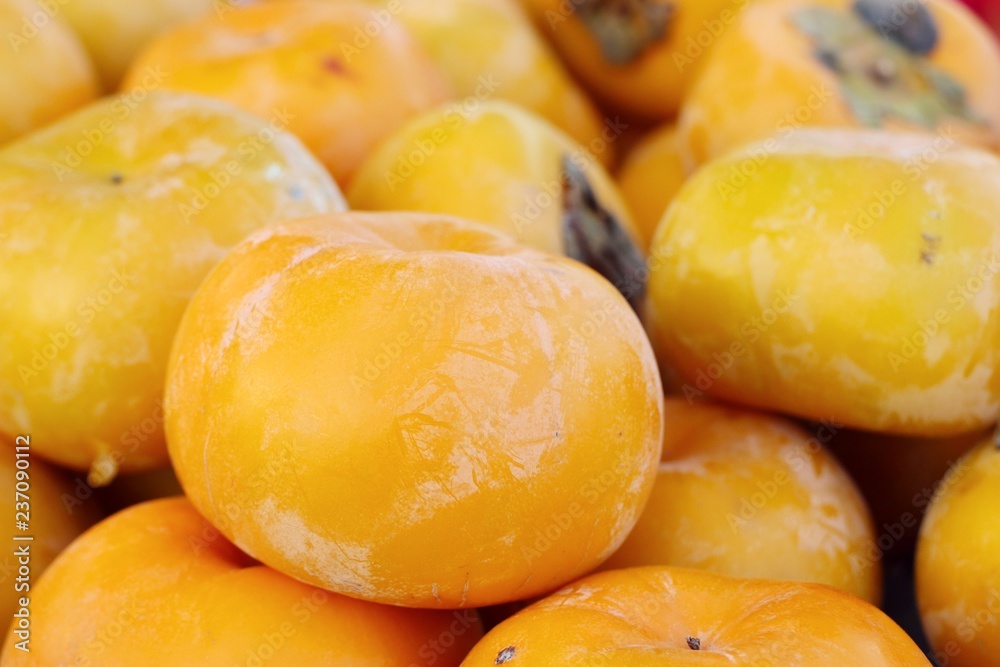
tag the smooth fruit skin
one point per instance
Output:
(653, 616)
(493, 163)
(109, 220)
(958, 581)
(31, 97)
(852, 277)
(489, 49)
(763, 78)
(746, 494)
(157, 585)
(114, 32)
(55, 515)
(413, 409)
(898, 477)
(653, 83)
(309, 66)
(649, 178)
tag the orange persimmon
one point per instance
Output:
(414, 409)
(157, 585)
(914, 65)
(639, 55)
(332, 73)
(747, 494)
(674, 617)
(958, 583)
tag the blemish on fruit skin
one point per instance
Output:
(505, 655)
(693, 643)
(117, 178)
(929, 250)
(331, 64)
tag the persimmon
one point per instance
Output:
(157, 585)
(518, 173)
(750, 495)
(845, 275)
(110, 218)
(489, 49)
(913, 65)
(638, 55)
(338, 75)
(49, 506)
(666, 616)
(37, 41)
(414, 409)
(651, 174)
(898, 476)
(958, 586)
(114, 32)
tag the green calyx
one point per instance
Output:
(625, 29)
(878, 53)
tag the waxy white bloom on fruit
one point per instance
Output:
(110, 219)
(414, 409)
(845, 275)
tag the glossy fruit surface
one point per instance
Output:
(110, 219)
(958, 585)
(414, 409)
(750, 495)
(157, 585)
(30, 99)
(334, 74)
(840, 275)
(667, 617)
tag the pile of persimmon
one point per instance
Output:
(499, 332)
